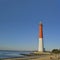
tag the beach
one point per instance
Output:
(28, 55)
(42, 57)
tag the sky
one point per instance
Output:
(19, 24)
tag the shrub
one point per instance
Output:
(56, 51)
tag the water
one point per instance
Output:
(11, 54)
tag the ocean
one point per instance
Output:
(12, 54)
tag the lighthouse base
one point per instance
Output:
(40, 46)
(42, 53)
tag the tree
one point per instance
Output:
(56, 51)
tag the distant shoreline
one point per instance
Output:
(16, 50)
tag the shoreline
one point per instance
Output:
(37, 57)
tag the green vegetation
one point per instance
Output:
(56, 51)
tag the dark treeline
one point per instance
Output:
(56, 51)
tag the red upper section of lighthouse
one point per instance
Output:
(40, 30)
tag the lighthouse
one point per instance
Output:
(40, 45)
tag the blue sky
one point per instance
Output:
(19, 22)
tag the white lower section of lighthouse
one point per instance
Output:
(40, 46)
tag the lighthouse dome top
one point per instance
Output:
(40, 22)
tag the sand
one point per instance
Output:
(43, 57)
